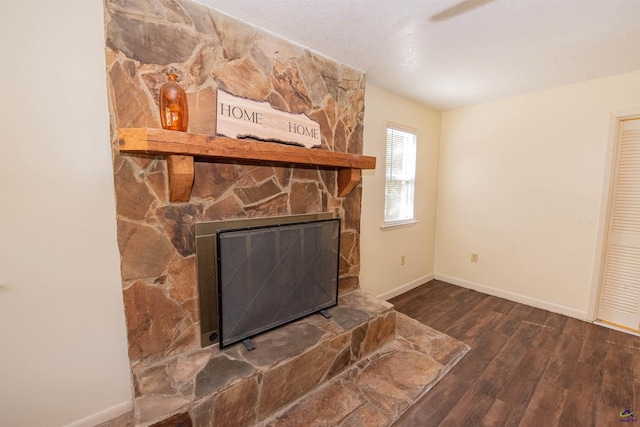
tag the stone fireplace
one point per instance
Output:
(174, 378)
(209, 50)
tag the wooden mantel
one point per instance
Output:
(181, 147)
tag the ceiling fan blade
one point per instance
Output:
(458, 9)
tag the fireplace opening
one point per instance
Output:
(257, 274)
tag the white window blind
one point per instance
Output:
(400, 176)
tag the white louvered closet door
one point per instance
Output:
(620, 286)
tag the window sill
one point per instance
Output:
(399, 224)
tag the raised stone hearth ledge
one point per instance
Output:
(380, 388)
(236, 387)
(364, 366)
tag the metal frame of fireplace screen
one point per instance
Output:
(257, 274)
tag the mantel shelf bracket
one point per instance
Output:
(181, 147)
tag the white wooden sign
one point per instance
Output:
(245, 118)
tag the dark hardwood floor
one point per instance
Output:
(526, 367)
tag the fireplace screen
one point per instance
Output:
(272, 274)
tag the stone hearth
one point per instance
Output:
(381, 387)
(364, 366)
(237, 387)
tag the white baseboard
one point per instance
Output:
(512, 296)
(103, 416)
(406, 287)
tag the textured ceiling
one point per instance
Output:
(451, 53)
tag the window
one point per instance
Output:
(400, 177)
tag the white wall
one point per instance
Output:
(381, 250)
(63, 351)
(521, 182)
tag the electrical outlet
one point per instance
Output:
(402, 260)
(474, 257)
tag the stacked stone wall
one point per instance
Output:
(208, 50)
